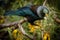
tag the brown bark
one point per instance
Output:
(56, 19)
(5, 25)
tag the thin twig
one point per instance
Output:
(44, 3)
(56, 19)
(23, 31)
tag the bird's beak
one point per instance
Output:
(46, 15)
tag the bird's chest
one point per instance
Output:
(31, 19)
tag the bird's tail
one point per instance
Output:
(9, 13)
(19, 12)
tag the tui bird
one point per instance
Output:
(32, 13)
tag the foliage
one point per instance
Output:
(48, 24)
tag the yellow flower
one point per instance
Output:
(14, 33)
(1, 21)
(32, 28)
(46, 36)
(17, 35)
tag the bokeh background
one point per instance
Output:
(51, 26)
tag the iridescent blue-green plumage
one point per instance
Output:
(28, 13)
(25, 11)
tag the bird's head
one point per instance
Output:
(42, 12)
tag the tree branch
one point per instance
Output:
(5, 25)
(17, 24)
(23, 31)
(56, 19)
(44, 2)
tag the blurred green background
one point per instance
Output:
(49, 25)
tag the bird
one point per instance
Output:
(32, 13)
